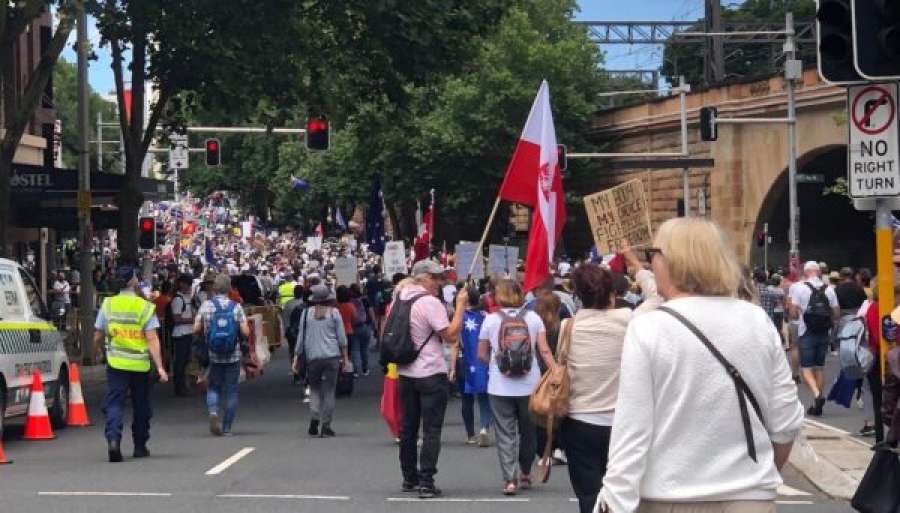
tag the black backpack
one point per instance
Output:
(818, 314)
(293, 330)
(397, 345)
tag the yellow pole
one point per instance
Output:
(884, 252)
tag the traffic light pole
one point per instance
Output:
(86, 285)
(792, 71)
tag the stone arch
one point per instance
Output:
(831, 229)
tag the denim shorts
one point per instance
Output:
(813, 349)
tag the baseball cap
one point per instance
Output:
(427, 267)
(812, 265)
(126, 273)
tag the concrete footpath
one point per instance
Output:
(834, 460)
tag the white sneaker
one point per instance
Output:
(560, 457)
(306, 391)
(483, 440)
(860, 403)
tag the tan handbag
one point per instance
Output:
(550, 399)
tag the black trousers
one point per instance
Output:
(874, 378)
(424, 402)
(587, 451)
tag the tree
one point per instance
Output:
(65, 97)
(266, 59)
(15, 18)
(457, 135)
(741, 59)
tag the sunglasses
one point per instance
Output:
(652, 252)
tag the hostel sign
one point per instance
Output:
(873, 155)
(619, 217)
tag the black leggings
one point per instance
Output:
(587, 450)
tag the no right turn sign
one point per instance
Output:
(873, 170)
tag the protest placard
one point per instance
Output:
(313, 244)
(394, 259)
(502, 260)
(465, 255)
(619, 217)
(345, 270)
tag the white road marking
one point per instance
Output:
(103, 494)
(795, 503)
(222, 467)
(789, 491)
(272, 496)
(455, 499)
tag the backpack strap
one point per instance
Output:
(433, 333)
(741, 388)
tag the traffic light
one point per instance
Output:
(708, 129)
(562, 156)
(876, 38)
(834, 39)
(213, 153)
(147, 233)
(318, 134)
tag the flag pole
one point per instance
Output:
(484, 236)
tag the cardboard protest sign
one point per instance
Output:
(502, 260)
(394, 259)
(465, 255)
(345, 270)
(313, 244)
(619, 217)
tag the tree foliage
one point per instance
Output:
(453, 133)
(741, 59)
(65, 96)
(271, 60)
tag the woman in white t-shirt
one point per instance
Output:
(509, 390)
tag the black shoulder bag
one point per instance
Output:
(740, 386)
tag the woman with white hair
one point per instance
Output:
(707, 411)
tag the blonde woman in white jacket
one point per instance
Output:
(594, 357)
(707, 411)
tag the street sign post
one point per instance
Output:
(873, 155)
(178, 151)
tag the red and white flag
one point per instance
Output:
(534, 179)
(424, 230)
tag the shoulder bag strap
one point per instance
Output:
(740, 386)
(562, 350)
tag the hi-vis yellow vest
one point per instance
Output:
(286, 292)
(126, 343)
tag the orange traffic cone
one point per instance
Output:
(37, 425)
(77, 411)
(3, 460)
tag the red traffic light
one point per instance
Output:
(213, 152)
(147, 225)
(316, 125)
(212, 146)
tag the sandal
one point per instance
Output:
(510, 488)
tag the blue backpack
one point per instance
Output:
(222, 336)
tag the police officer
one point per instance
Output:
(127, 323)
(286, 290)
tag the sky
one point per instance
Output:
(617, 56)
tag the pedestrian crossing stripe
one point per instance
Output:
(18, 341)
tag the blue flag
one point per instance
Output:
(375, 218)
(339, 218)
(210, 258)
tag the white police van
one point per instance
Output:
(28, 342)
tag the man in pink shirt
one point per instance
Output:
(424, 387)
